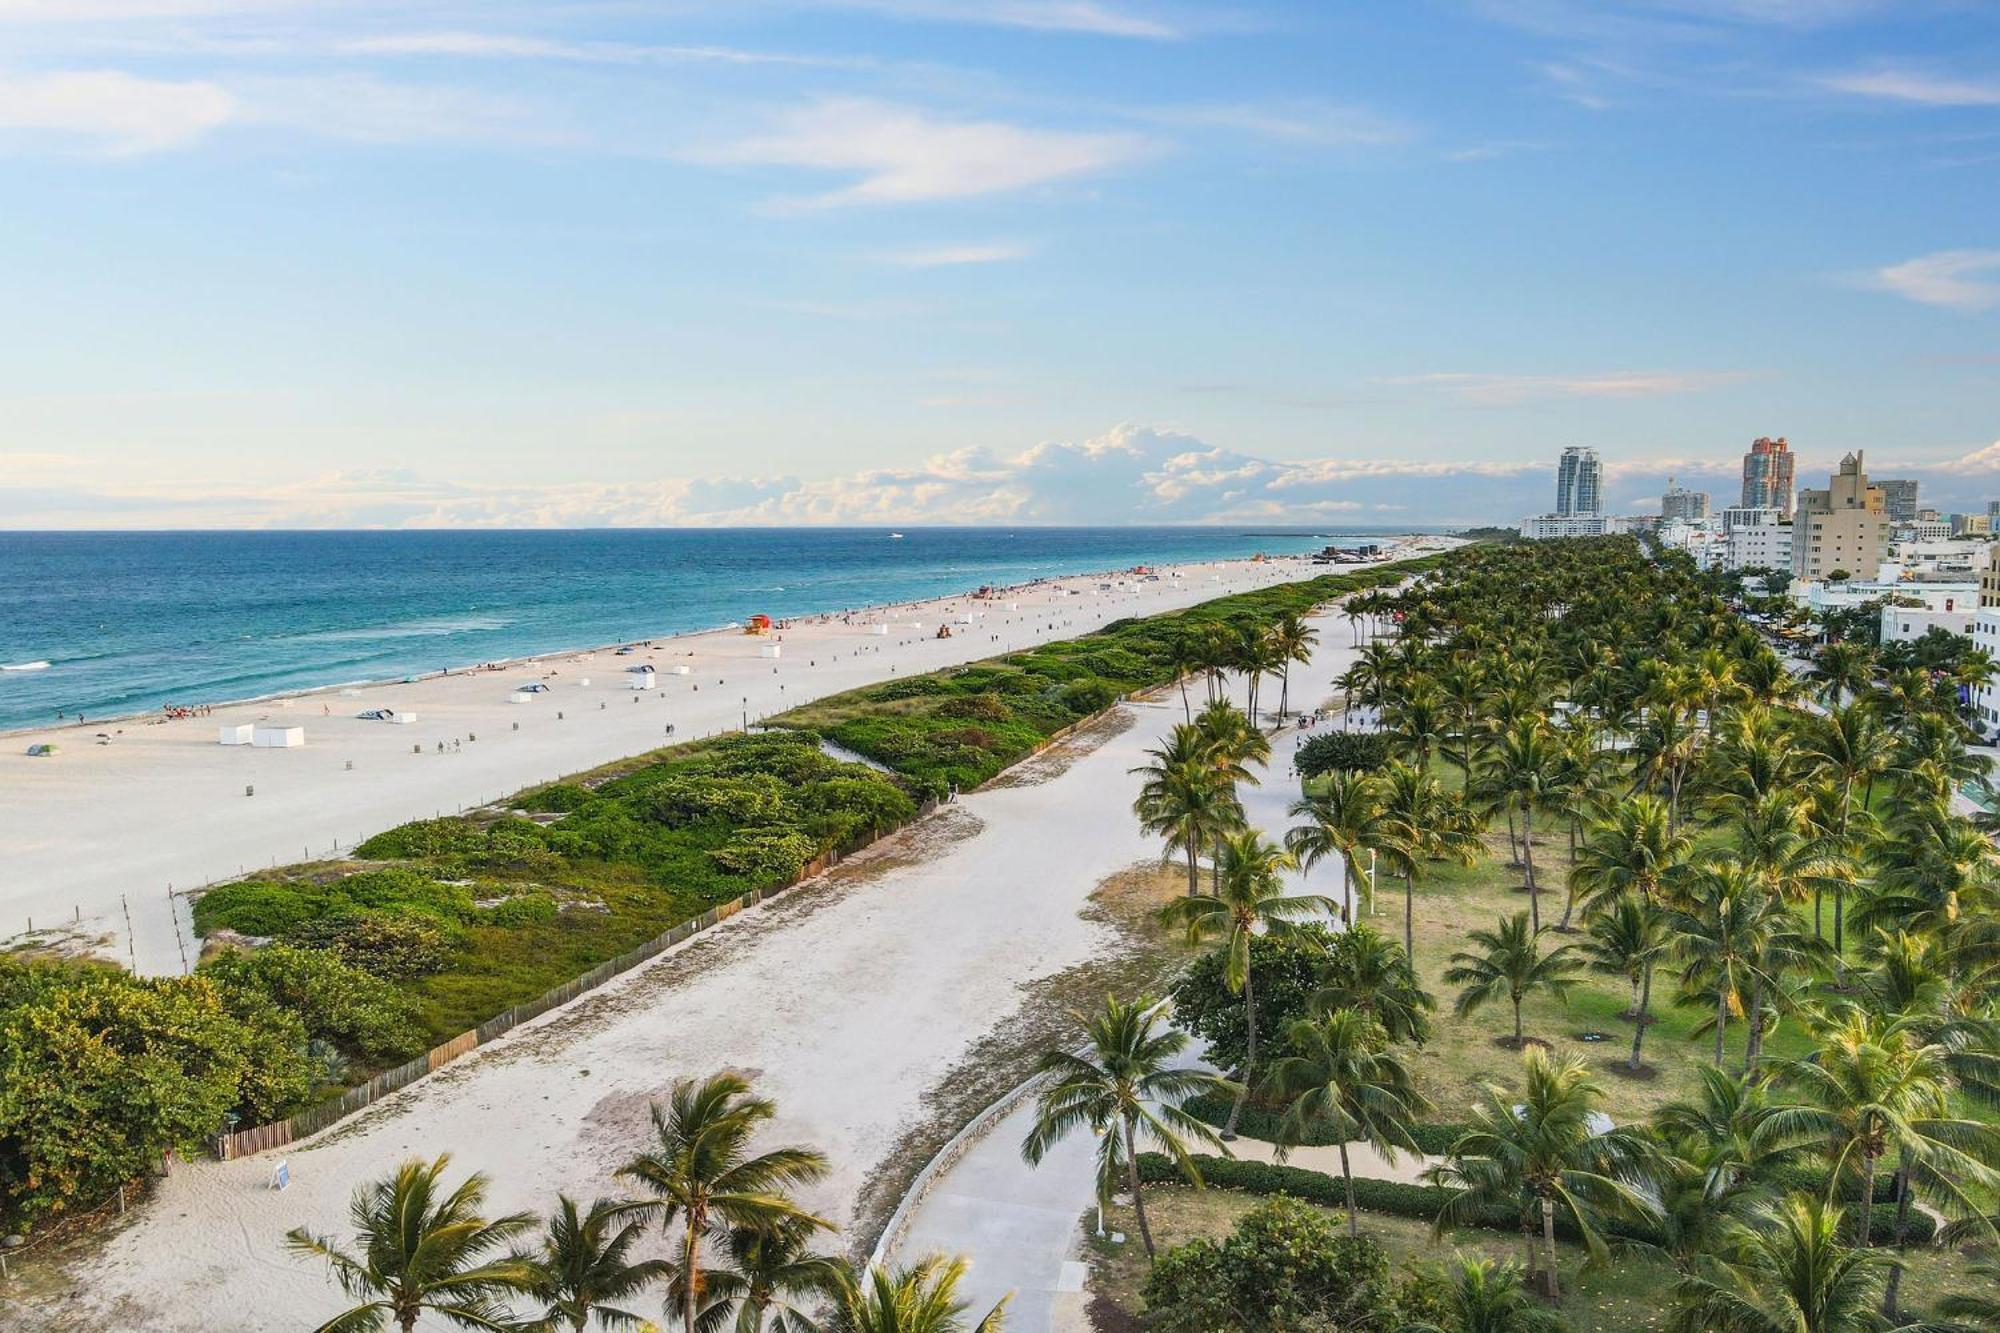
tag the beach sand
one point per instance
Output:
(100, 841)
(850, 1002)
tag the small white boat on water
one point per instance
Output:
(25, 666)
(895, 536)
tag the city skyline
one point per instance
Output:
(293, 263)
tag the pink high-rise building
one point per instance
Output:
(1767, 476)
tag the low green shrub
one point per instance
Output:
(1343, 752)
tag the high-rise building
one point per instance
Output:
(1842, 527)
(1579, 482)
(1993, 514)
(1678, 504)
(1767, 476)
(1899, 500)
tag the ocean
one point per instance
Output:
(132, 621)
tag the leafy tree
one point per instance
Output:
(1284, 1267)
(418, 1250)
(1291, 969)
(1366, 970)
(1484, 1296)
(1785, 1271)
(1341, 752)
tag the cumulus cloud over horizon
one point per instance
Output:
(1131, 474)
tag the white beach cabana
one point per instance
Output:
(278, 738)
(234, 733)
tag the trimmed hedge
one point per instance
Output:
(1424, 1202)
(1256, 1122)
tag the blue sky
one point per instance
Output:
(277, 262)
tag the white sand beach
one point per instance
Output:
(110, 832)
(849, 1002)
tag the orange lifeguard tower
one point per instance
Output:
(758, 624)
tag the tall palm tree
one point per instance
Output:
(1628, 940)
(1292, 640)
(1124, 1092)
(1842, 671)
(1415, 719)
(1250, 898)
(1339, 820)
(586, 1262)
(1874, 1086)
(701, 1168)
(922, 1298)
(1365, 970)
(772, 1283)
(1186, 799)
(1510, 963)
(1848, 746)
(1487, 1296)
(1418, 822)
(1185, 658)
(1343, 1081)
(1722, 929)
(1534, 1149)
(1785, 1270)
(1521, 768)
(419, 1250)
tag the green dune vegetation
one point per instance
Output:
(317, 975)
(1675, 1010)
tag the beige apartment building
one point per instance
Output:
(1844, 527)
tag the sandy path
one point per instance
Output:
(105, 830)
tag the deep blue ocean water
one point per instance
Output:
(130, 621)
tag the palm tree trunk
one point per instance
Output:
(1753, 1043)
(1284, 691)
(1549, 1243)
(1528, 851)
(1410, 921)
(1902, 1234)
(408, 1320)
(1187, 709)
(1513, 844)
(1867, 1215)
(1347, 1174)
(1518, 1034)
(1347, 888)
(1639, 1025)
(1721, 1018)
(1249, 1055)
(1194, 870)
(690, 1268)
(1132, 1180)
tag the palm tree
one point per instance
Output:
(701, 1168)
(1185, 658)
(1722, 928)
(1234, 741)
(1487, 1296)
(586, 1261)
(1875, 1085)
(1339, 820)
(1415, 717)
(1785, 1271)
(1186, 799)
(771, 1273)
(1847, 746)
(922, 1298)
(1418, 822)
(1123, 1092)
(1628, 940)
(1511, 964)
(1291, 640)
(1343, 1082)
(1842, 671)
(1367, 971)
(1249, 897)
(1535, 1150)
(420, 1251)
(1521, 769)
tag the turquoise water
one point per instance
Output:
(130, 621)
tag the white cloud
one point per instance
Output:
(1084, 16)
(1307, 122)
(902, 154)
(366, 109)
(1506, 390)
(1916, 86)
(949, 256)
(511, 46)
(1950, 278)
(114, 111)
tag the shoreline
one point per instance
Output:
(1392, 546)
(111, 834)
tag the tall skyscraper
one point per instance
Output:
(1767, 476)
(1579, 482)
(1678, 504)
(1899, 499)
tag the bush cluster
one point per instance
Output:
(1343, 752)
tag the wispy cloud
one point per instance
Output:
(1507, 390)
(512, 46)
(1307, 122)
(951, 256)
(1080, 16)
(904, 154)
(1955, 279)
(367, 109)
(113, 112)
(1918, 87)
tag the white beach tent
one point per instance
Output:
(278, 738)
(644, 681)
(771, 650)
(235, 733)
